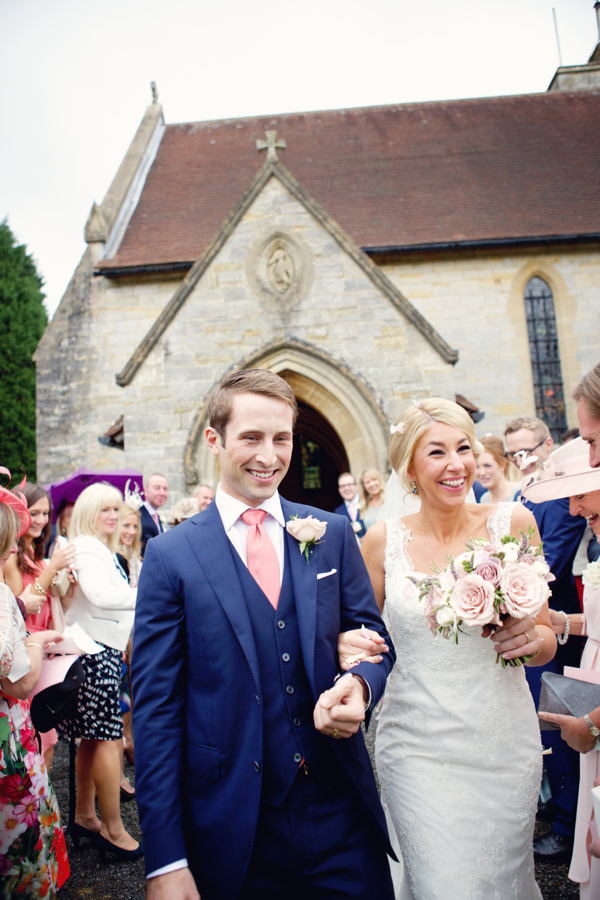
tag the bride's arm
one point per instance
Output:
(363, 644)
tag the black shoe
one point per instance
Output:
(76, 832)
(553, 848)
(548, 811)
(126, 796)
(104, 846)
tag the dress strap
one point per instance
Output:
(498, 523)
(397, 537)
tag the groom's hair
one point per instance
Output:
(246, 381)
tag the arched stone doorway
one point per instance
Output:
(317, 461)
(345, 413)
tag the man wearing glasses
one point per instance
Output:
(348, 489)
(528, 441)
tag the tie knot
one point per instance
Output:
(254, 516)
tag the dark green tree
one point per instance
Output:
(23, 318)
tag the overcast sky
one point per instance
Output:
(75, 80)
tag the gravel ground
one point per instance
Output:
(90, 880)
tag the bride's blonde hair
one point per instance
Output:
(414, 422)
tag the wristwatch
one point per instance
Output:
(593, 729)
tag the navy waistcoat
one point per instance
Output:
(289, 735)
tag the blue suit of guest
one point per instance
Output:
(233, 779)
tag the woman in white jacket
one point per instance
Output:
(104, 607)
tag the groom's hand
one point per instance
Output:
(341, 709)
(176, 885)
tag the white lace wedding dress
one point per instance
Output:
(458, 751)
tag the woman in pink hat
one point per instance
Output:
(567, 473)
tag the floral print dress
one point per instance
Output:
(33, 854)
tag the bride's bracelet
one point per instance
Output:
(565, 635)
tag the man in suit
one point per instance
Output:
(205, 495)
(156, 489)
(527, 441)
(252, 776)
(348, 489)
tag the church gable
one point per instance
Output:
(277, 256)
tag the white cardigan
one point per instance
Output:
(104, 603)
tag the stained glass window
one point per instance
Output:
(545, 360)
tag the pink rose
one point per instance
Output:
(306, 530)
(473, 601)
(490, 570)
(524, 591)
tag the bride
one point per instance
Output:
(458, 748)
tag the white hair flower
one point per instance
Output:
(397, 429)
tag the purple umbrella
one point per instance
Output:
(68, 490)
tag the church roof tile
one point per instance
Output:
(414, 175)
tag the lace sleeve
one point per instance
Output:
(14, 659)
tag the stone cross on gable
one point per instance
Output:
(271, 145)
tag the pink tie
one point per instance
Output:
(155, 517)
(261, 557)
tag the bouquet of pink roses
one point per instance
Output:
(485, 584)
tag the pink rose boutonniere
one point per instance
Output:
(307, 532)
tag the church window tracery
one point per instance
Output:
(545, 359)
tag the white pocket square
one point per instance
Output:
(326, 574)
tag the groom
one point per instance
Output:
(252, 776)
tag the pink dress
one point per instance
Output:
(41, 621)
(585, 868)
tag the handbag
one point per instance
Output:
(567, 697)
(57, 701)
(61, 582)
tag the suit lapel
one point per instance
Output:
(304, 580)
(212, 548)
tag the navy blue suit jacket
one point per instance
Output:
(343, 511)
(198, 713)
(149, 528)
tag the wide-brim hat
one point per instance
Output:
(184, 509)
(566, 473)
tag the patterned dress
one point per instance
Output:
(33, 854)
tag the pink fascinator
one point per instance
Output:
(397, 429)
(17, 502)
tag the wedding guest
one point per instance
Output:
(528, 442)
(156, 488)
(63, 517)
(350, 508)
(30, 577)
(184, 509)
(458, 746)
(587, 395)
(372, 489)
(204, 494)
(568, 474)
(103, 605)
(33, 855)
(492, 468)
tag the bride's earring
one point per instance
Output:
(413, 486)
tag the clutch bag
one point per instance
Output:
(567, 697)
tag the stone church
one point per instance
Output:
(369, 256)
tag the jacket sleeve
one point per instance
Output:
(96, 577)
(158, 681)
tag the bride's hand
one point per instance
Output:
(360, 645)
(517, 637)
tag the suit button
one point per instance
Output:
(286, 657)
(290, 689)
(297, 757)
(257, 698)
(257, 766)
(281, 624)
(296, 722)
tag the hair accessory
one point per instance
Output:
(413, 486)
(419, 404)
(17, 503)
(133, 498)
(397, 429)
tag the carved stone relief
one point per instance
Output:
(280, 270)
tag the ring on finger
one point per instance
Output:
(334, 733)
(527, 638)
